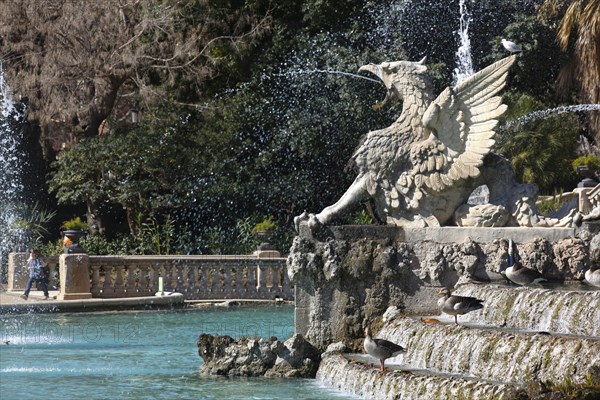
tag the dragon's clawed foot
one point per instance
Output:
(311, 220)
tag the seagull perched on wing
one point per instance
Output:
(512, 47)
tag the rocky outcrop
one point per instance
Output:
(225, 356)
(526, 343)
(348, 276)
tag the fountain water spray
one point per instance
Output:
(325, 71)
(11, 162)
(541, 114)
(464, 67)
(510, 253)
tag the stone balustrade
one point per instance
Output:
(196, 277)
(18, 273)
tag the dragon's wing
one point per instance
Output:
(462, 121)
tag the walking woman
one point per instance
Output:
(36, 274)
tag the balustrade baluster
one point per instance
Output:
(286, 285)
(205, 282)
(227, 283)
(152, 279)
(239, 277)
(119, 288)
(143, 287)
(107, 288)
(95, 286)
(188, 278)
(192, 284)
(130, 287)
(172, 278)
(251, 280)
(262, 278)
(279, 274)
(200, 278)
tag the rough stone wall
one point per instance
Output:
(344, 282)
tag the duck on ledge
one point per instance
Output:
(523, 276)
(457, 305)
(592, 275)
(381, 349)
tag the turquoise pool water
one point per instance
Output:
(137, 355)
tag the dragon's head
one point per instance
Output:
(398, 76)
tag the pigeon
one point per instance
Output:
(380, 348)
(512, 47)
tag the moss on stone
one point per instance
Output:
(487, 352)
(547, 358)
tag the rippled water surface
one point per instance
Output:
(137, 355)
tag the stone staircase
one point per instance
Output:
(523, 338)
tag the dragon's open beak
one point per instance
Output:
(378, 72)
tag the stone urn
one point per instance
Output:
(71, 239)
(588, 176)
(264, 237)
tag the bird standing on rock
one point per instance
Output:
(457, 305)
(523, 276)
(592, 275)
(512, 47)
(380, 348)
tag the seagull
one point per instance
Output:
(523, 276)
(457, 305)
(592, 275)
(380, 348)
(512, 47)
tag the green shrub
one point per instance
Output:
(266, 225)
(588, 160)
(54, 248)
(74, 223)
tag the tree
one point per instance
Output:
(579, 34)
(142, 169)
(540, 151)
(72, 60)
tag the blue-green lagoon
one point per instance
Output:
(138, 355)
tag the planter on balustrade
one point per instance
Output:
(71, 239)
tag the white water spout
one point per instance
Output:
(11, 162)
(464, 67)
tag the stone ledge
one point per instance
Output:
(175, 300)
(336, 371)
(446, 234)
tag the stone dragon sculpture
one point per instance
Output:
(421, 170)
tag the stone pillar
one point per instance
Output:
(267, 254)
(74, 277)
(584, 204)
(18, 273)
